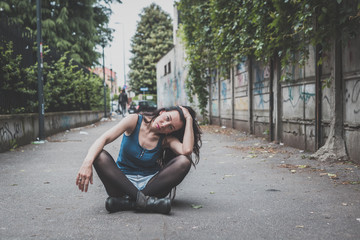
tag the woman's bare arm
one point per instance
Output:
(85, 174)
(186, 147)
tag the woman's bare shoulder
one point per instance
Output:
(130, 122)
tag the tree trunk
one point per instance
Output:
(334, 148)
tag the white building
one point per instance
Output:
(171, 73)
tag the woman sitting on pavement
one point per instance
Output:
(143, 174)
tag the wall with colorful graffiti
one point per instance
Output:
(171, 73)
(242, 99)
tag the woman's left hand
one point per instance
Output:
(186, 112)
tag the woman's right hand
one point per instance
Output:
(84, 177)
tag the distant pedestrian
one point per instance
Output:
(123, 100)
(154, 157)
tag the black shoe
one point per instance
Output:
(153, 204)
(116, 204)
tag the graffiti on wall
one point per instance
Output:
(240, 67)
(171, 89)
(215, 108)
(305, 93)
(214, 86)
(260, 75)
(8, 134)
(355, 96)
(352, 93)
(223, 90)
(65, 122)
(241, 80)
(178, 87)
(241, 74)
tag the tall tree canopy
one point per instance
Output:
(70, 26)
(152, 40)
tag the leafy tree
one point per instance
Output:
(153, 39)
(68, 87)
(70, 26)
(15, 89)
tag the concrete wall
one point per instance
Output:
(242, 100)
(21, 129)
(171, 88)
(296, 101)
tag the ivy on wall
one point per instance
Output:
(218, 33)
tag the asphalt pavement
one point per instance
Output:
(243, 188)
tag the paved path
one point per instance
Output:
(243, 188)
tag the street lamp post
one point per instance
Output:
(40, 75)
(123, 38)
(103, 55)
(124, 55)
(111, 91)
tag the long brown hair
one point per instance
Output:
(179, 134)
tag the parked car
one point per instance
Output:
(142, 106)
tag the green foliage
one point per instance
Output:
(68, 88)
(17, 91)
(152, 40)
(218, 33)
(198, 37)
(76, 27)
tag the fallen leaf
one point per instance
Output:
(299, 226)
(302, 166)
(293, 171)
(196, 206)
(323, 174)
(354, 183)
(212, 192)
(344, 204)
(228, 175)
(333, 176)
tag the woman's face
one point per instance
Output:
(168, 122)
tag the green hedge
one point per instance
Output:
(66, 86)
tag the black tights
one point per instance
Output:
(117, 184)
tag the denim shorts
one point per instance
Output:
(140, 181)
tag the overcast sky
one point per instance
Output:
(125, 17)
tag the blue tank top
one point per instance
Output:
(136, 160)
